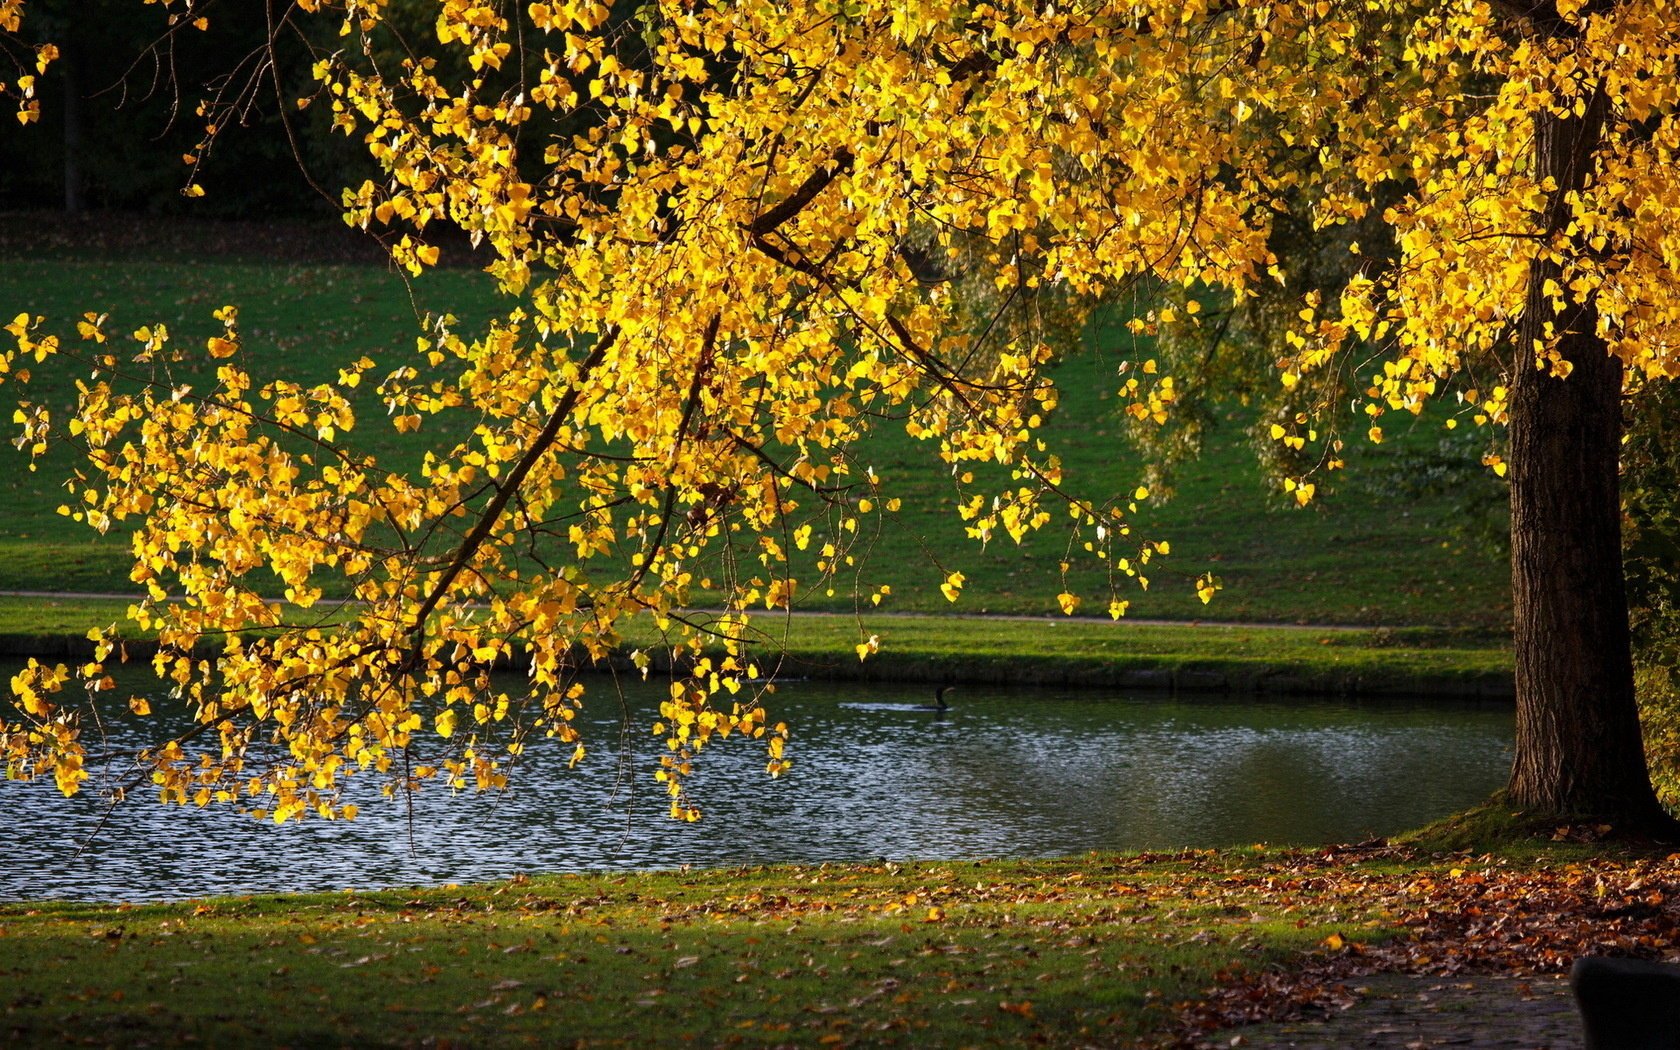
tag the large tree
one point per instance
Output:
(737, 236)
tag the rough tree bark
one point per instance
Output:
(1578, 748)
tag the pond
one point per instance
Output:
(1005, 772)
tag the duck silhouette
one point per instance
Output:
(939, 703)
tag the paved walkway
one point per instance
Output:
(885, 614)
(1400, 1012)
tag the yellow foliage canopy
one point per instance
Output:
(739, 235)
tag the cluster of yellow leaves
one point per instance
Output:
(22, 87)
(1475, 224)
(734, 237)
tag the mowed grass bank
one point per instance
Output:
(1058, 651)
(1365, 555)
(1088, 951)
(998, 650)
(1098, 950)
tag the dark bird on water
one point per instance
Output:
(939, 703)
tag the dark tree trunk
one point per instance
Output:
(72, 117)
(1578, 748)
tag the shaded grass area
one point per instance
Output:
(959, 649)
(1092, 950)
(1361, 556)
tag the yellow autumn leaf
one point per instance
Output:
(952, 587)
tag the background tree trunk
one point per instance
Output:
(1578, 749)
(72, 117)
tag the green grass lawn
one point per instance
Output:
(958, 649)
(1097, 652)
(1362, 556)
(300, 321)
(1093, 950)
(1097, 950)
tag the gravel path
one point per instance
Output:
(1397, 1012)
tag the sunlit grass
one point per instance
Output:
(1101, 949)
(1005, 651)
(1088, 950)
(1361, 557)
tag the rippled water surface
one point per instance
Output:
(1004, 772)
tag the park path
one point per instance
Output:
(1406, 1012)
(1126, 621)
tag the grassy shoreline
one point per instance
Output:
(994, 953)
(1128, 949)
(1003, 651)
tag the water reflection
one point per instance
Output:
(1004, 772)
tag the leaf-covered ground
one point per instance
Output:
(1097, 950)
(1469, 916)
